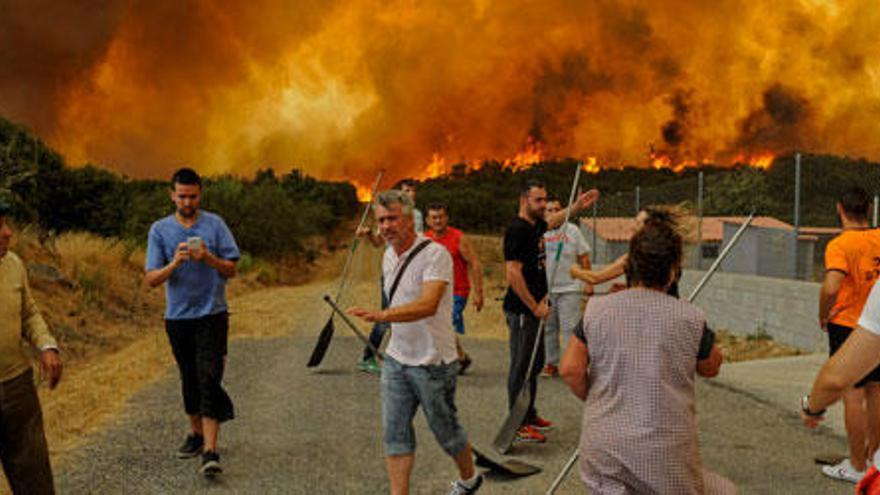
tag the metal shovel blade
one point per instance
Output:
(509, 467)
(515, 417)
(322, 344)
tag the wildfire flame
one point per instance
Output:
(333, 86)
(591, 166)
(364, 193)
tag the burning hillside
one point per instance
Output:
(340, 88)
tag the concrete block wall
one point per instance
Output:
(745, 304)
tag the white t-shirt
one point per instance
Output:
(870, 319)
(429, 341)
(573, 245)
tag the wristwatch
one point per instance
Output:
(805, 407)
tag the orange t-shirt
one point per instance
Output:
(857, 254)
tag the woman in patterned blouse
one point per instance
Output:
(633, 365)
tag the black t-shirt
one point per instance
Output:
(524, 242)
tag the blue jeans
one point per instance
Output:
(565, 312)
(404, 388)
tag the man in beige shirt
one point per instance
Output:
(23, 450)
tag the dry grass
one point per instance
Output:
(108, 323)
(746, 348)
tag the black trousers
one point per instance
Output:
(199, 346)
(523, 334)
(23, 449)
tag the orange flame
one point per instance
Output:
(761, 160)
(591, 167)
(364, 193)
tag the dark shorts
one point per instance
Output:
(199, 347)
(837, 335)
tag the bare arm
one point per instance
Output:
(583, 201)
(513, 273)
(475, 270)
(574, 366)
(423, 307)
(855, 359)
(828, 294)
(710, 366)
(584, 261)
(226, 268)
(610, 272)
(155, 278)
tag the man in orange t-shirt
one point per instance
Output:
(852, 265)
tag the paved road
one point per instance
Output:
(302, 432)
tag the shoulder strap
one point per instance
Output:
(418, 249)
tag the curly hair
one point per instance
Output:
(655, 254)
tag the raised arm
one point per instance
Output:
(610, 272)
(583, 201)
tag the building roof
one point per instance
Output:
(618, 229)
(824, 231)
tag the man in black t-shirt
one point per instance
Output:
(525, 303)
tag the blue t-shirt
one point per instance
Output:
(194, 289)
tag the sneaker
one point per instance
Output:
(210, 464)
(843, 471)
(540, 423)
(191, 447)
(370, 366)
(458, 487)
(550, 371)
(464, 363)
(528, 434)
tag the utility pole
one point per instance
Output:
(797, 213)
(700, 220)
(876, 206)
(638, 200)
(595, 225)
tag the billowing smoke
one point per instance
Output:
(339, 87)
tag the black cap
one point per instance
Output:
(5, 209)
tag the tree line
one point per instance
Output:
(270, 215)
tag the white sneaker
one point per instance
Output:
(843, 471)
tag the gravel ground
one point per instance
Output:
(300, 431)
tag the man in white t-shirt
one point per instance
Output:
(566, 293)
(858, 355)
(420, 367)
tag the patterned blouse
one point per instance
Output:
(639, 430)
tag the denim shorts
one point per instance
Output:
(458, 305)
(404, 388)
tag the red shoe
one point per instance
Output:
(550, 371)
(541, 423)
(528, 434)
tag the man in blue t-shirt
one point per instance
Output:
(193, 253)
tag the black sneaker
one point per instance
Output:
(463, 364)
(210, 464)
(191, 447)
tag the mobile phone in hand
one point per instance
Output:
(194, 244)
